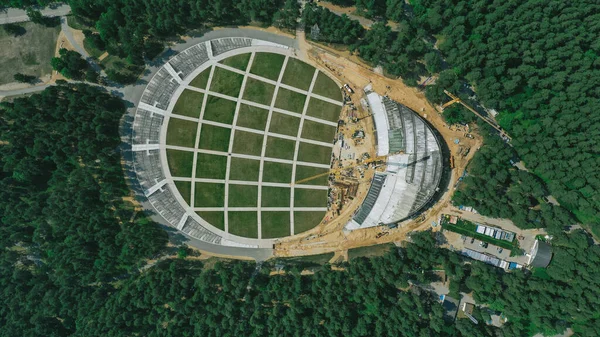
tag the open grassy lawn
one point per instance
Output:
(325, 86)
(275, 197)
(211, 166)
(310, 198)
(319, 259)
(277, 172)
(209, 195)
(216, 219)
(370, 251)
(275, 224)
(226, 82)
(219, 110)
(280, 148)
(244, 169)
(314, 153)
(252, 117)
(323, 110)
(181, 132)
(238, 61)
(202, 79)
(258, 91)
(189, 104)
(243, 224)
(317, 131)
(214, 138)
(284, 124)
(29, 53)
(290, 100)
(243, 196)
(180, 163)
(304, 221)
(247, 143)
(185, 189)
(267, 65)
(303, 172)
(298, 74)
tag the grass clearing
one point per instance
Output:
(314, 153)
(29, 53)
(185, 189)
(298, 74)
(370, 251)
(189, 104)
(258, 91)
(275, 224)
(326, 87)
(214, 138)
(238, 61)
(280, 148)
(219, 110)
(180, 163)
(244, 169)
(267, 65)
(318, 131)
(304, 221)
(303, 172)
(201, 80)
(310, 198)
(91, 49)
(226, 82)
(308, 260)
(290, 100)
(284, 124)
(252, 117)
(210, 166)
(181, 132)
(243, 224)
(277, 172)
(275, 197)
(216, 219)
(247, 143)
(243, 196)
(468, 229)
(323, 110)
(209, 195)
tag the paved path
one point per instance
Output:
(13, 15)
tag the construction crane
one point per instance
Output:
(456, 99)
(336, 171)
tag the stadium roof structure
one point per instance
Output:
(412, 177)
(541, 254)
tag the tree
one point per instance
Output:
(24, 78)
(287, 16)
(14, 29)
(70, 64)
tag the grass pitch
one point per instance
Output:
(216, 219)
(298, 74)
(189, 104)
(275, 197)
(226, 82)
(303, 172)
(326, 87)
(277, 172)
(219, 110)
(209, 195)
(290, 100)
(185, 189)
(181, 132)
(247, 143)
(214, 138)
(201, 80)
(180, 163)
(309, 198)
(244, 169)
(275, 224)
(323, 110)
(280, 148)
(258, 91)
(314, 153)
(267, 65)
(239, 61)
(252, 117)
(243, 224)
(243, 196)
(211, 166)
(317, 131)
(284, 124)
(304, 221)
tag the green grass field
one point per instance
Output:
(258, 91)
(275, 197)
(284, 124)
(303, 172)
(275, 224)
(201, 80)
(209, 195)
(298, 74)
(323, 110)
(290, 100)
(211, 166)
(247, 143)
(267, 65)
(325, 86)
(180, 163)
(219, 110)
(214, 138)
(370, 251)
(252, 117)
(189, 104)
(280, 148)
(309, 198)
(244, 169)
(277, 172)
(181, 132)
(216, 219)
(243, 196)
(317, 131)
(304, 221)
(239, 61)
(314, 153)
(185, 189)
(243, 224)
(226, 82)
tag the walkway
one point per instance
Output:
(13, 15)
